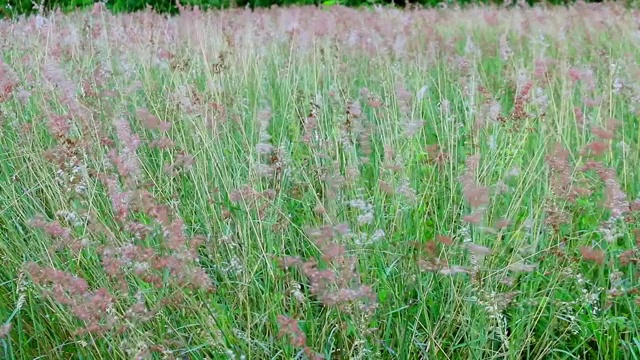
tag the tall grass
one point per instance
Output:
(321, 183)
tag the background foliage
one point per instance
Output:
(19, 7)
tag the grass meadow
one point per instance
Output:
(321, 183)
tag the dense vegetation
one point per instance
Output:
(13, 8)
(339, 183)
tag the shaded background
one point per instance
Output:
(19, 7)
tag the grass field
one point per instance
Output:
(321, 183)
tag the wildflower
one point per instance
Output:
(54, 229)
(502, 223)
(596, 148)
(540, 68)
(447, 240)
(579, 115)
(453, 270)
(8, 81)
(361, 205)
(366, 218)
(5, 329)
(296, 293)
(310, 124)
(474, 218)
(127, 161)
(378, 235)
(514, 172)
(59, 125)
(574, 74)
(477, 196)
(264, 148)
(522, 267)
(162, 143)
(501, 188)
(591, 254)
(422, 92)
(522, 97)
(412, 127)
(264, 170)
(386, 187)
(120, 200)
(403, 95)
(290, 261)
(407, 191)
(73, 292)
(98, 8)
(541, 99)
(352, 173)
(493, 145)
(342, 229)
(320, 210)
(505, 50)
(354, 109)
(478, 249)
(628, 257)
(290, 327)
(508, 280)
(55, 74)
(617, 85)
(615, 197)
(561, 173)
(602, 133)
(437, 155)
(151, 121)
(374, 101)
(472, 163)
(182, 162)
(470, 47)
